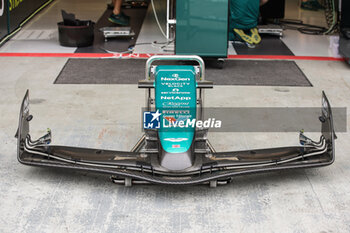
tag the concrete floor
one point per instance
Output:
(44, 200)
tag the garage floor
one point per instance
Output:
(108, 116)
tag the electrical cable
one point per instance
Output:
(331, 19)
(330, 3)
(303, 27)
(156, 17)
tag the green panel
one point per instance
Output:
(202, 27)
(175, 93)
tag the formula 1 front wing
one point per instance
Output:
(142, 163)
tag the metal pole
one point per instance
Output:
(198, 59)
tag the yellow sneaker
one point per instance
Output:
(244, 36)
(255, 35)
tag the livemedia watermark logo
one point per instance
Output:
(178, 119)
(151, 120)
(246, 119)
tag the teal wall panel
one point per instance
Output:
(202, 27)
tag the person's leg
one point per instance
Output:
(244, 18)
(244, 13)
(117, 6)
(117, 15)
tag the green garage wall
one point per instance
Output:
(3, 19)
(15, 12)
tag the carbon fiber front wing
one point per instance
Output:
(142, 163)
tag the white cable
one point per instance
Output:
(123, 52)
(156, 17)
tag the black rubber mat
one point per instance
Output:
(270, 45)
(117, 45)
(235, 72)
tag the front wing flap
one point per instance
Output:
(143, 164)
